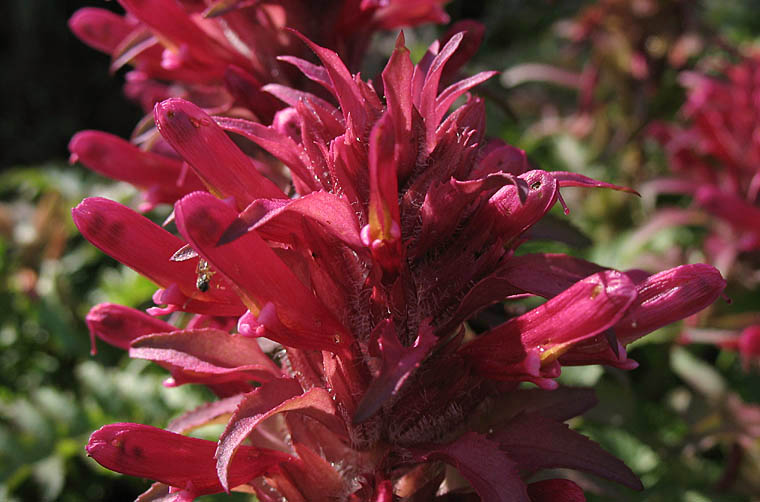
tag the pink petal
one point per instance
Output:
(280, 220)
(398, 363)
(383, 232)
(292, 97)
(448, 204)
(140, 48)
(466, 125)
(420, 72)
(488, 469)
(444, 101)
(536, 442)
(294, 316)
(276, 143)
(568, 179)
(168, 19)
(474, 32)
(226, 170)
(116, 158)
(397, 83)
(587, 308)
(429, 93)
(204, 414)
(346, 90)
(247, 91)
(312, 477)
(120, 325)
(101, 29)
(599, 350)
(313, 72)
(395, 13)
(670, 296)
(147, 248)
(501, 159)
(206, 356)
(271, 398)
(511, 210)
(176, 460)
(662, 299)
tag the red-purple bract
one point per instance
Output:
(398, 222)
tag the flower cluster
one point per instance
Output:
(217, 54)
(329, 303)
(624, 54)
(715, 159)
(715, 156)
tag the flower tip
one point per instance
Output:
(170, 111)
(296, 33)
(81, 21)
(77, 143)
(93, 317)
(101, 440)
(78, 212)
(88, 212)
(711, 277)
(400, 40)
(75, 21)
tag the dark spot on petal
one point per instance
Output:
(95, 224)
(112, 322)
(203, 226)
(536, 185)
(116, 230)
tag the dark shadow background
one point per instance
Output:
(52, 84)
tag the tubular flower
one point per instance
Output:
(218, 54)
(403, 226)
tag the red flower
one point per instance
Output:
(403, 226)
(218, 54)
(715, 156)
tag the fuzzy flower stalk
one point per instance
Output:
(398, 224)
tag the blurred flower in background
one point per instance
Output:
(715, 158)
(628, 51)
(218, 55)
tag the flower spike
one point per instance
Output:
(362, 302)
